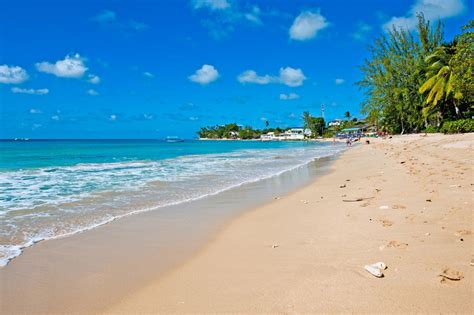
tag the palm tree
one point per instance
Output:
(347, 115)
(440, 82)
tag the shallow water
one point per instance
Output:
(50, 189)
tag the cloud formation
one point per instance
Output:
(109, 18)
(69, 67)
(339, 81)
(223, 15)
(35, 111)
(94, 79)
(288, 76)
(307, 25)
(92, 92)
(291, 77)
(12, 74)
(362, 31)
(211, 4)
(30, 91)
(205, 75)
(148, 74)
(250, 76)
(289, 97)
(106, 16)
(432, 9)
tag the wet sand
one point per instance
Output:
(406, 201)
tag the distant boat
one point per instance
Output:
(174, 139)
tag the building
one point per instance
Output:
(335, 123)
(289, 135)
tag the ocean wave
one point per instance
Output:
(72, 199)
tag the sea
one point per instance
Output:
(56, 188)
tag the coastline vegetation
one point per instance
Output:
(235, 131)
(416, 82)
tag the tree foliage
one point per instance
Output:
(315, 124)
(412, 80)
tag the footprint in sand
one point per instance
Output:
(449, 274)
(397, 244)
(411, 217)
(462, 232)
(386, 223)
(398, 207)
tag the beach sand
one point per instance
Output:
(406, 201)
(305, 252)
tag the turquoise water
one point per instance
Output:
(51, 189)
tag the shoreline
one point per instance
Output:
(301, 252)
(156, 240)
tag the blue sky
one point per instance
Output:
(149, 69)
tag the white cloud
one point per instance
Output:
(148, 74)
(94, 79)
(253, 15)
(106, 16)
(363, 29)
(307, 25)
(92, 92)
(339, 81)
(211, 4)
(12, 74)
(432, 9)
(137, 26)
(205, 75)
(30, 91)
(69, 67)
(288, 97)
(288, 76)
(35, 111)
(55, 117)
(113, 117)
(147, 116)
(194, 118)
(250, 76)
(291, 77)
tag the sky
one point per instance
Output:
(151, 69)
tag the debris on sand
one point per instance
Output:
(451, 274)
(386, 223)
(376, 269)
(357, 199)
(397, 244)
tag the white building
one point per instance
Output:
(269, 136)
(335, 123)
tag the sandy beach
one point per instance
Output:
(406, 201)
(305, 252)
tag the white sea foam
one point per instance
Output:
(56, 202)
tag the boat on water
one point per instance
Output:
(174, 139)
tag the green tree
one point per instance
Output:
(347, 115)
(440, 79)
(315, 124)
(393, 74)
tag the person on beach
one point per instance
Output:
(349, 141)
